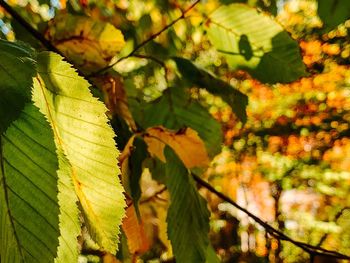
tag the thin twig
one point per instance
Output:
(312, 250)
(336, 217)
(132, 53)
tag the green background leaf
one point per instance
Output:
(188, 216)
(176, 110)
(333, 12)
(255, 42)
(197, 76)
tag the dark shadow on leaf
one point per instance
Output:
(283, 63)
(245, 49)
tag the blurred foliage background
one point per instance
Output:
(289, 163)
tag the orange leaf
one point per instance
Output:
(134, 231)
(63, 4)
(186, 143)
(109, 258)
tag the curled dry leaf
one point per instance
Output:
(124, 162)
(126, 151)
(115, 97)
(89, 43)
(186, 143)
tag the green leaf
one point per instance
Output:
(176, 110)
(197, 76)
(333, 12)
(188, 216)
(17, 68)
(29, 211)
(255, 42)
(82, 132)
(211, 255)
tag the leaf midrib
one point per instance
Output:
(77, 183)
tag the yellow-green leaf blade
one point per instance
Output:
(68, 250)
(82, 132)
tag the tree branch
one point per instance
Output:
(47, 44)
(132, 53)
(36, 34)
(336, 217)
(312, 250)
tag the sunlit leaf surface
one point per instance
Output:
(82, 133)
(255, 42)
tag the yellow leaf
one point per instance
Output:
(186, 143)
(89, 43)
